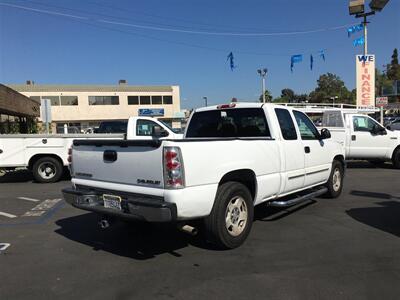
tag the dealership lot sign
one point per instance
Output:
(365, 73)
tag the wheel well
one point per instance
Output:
(340, 158)
(394, 151)
(244, 176)
(36, 157)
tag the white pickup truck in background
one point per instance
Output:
(363, 137)
(231, 158)
(46, 155)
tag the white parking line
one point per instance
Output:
(28, 199)
(41, 208)
(4, 246)
(7, 215)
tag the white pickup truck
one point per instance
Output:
(231, 158)
(363, 137)
(46, 155)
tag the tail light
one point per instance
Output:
(174, 177)
(69, 158)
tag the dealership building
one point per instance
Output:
(85, 106)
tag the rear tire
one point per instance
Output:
(231, 218)
(335, 182)
(47, 170)
(396, 159)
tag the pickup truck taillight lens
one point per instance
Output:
(174, 177)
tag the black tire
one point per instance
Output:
(47, 170)
(230, 194)
(396, 158)
(334, 186)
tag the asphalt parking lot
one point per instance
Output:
(347, 248)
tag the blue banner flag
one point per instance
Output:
(231, 62)
(311, 62)
(359, 42)
(295, 59)
(322, 54)
(354, 29)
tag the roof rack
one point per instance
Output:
(322, 107)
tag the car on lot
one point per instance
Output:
(362, 136)
(232, 157)
(46, 154)
(394, 124)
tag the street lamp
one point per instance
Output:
(263, 74)
(333, 100)
(205, 100)
(357, 7)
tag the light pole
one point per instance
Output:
(333, 100)
(356, 7)
(205, 100)
(263, 74)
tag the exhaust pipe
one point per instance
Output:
(104, 224)
(188, 229)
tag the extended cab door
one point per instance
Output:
(317, 158)
(293, 153)
(365, 142)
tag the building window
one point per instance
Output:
(103, 100)
(144, 99)
(156, 100)
(167, 99)
(69, 100)
(55, 100)
(133, 100)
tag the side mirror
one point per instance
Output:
(325, 134)
(159, 132)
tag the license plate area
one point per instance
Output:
(112, 201)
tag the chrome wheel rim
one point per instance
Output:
(47, 170)
(2, 172)
(337, 179)
(236, 216)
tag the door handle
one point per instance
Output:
(1, 151)
(307, 149)
(353, 137)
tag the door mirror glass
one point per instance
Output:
(325, 134)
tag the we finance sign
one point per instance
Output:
(365, 73)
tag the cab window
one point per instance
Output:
(145, 127)
(306, 127)
(364, 124)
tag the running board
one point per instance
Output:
(297, 200)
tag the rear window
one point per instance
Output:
(332, 119)
(241, 122)
(113, 127)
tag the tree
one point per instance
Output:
(287, 95)
(268, 96)
(393, 69)
(330, 85)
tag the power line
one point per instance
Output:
(249, 34)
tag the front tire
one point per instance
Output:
(231, 218)
(396, 159)
(47, 170)
(335, 182)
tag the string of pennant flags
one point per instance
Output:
(298, 58)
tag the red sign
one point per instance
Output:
(381, 101)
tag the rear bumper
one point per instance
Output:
(134, 207)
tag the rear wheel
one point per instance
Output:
(231, 218)
(335, 182)
(396, 159)
(47, 170)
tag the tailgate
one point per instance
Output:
(133, 162)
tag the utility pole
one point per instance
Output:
(263, 74)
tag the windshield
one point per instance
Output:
(243, 122)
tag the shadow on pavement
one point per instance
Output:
(134, 240)
(367, 165)
(143, 241)
(385, 217)
(24, 175)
